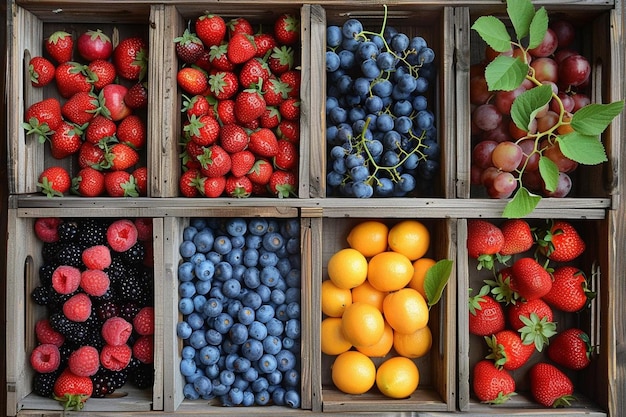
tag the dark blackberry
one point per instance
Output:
(50, 251)
(68, 231)
(109, 295)
(142, 377)
(133, 364)
(130, 289)
(102, 383)
(134, 255)
(45, 273)
(71, 254)
(116, 271)
(94, 332)
(106, 309)
(119, 378)
(57, 300)
(73, 331)
(65, 350)
(92, 232)
(41, 295)
(43, 384)
(129, 310)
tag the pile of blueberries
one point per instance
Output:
(239, 300)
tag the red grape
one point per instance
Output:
(546, 69)
(564, 31)
(529, 153)
(507, 156)
(574, 70)
(504, 99)
(481, 154)
(563, 187)
(487, 117)
(547, 46)
(564, 164)
(580, 100)
(504, 184)
(479, 92)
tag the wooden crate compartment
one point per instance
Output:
(27, 157)
(437, 369)
(435, 24)
(594, 40)
(23, 269)
(175, 400)
(592, 396)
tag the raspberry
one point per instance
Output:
(47, 229)
(116, 331)
(65, 279)
(122, 235)
(143, 349)
(78, 307)
(144, 228)
(95, 282)
(46, 334)
(115, 358)
(143, 323)
(97, 257)
(84, 361)
(45, 358)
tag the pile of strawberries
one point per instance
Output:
(514, 311)
(96, 119)
(241, 100)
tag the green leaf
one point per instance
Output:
(492, 30)
(521, 13)
(593, 119)
(522, 204)
(436, 280)
(549, 173)
(526, 106)
(538, 28)
(505, 73)
(584, 149)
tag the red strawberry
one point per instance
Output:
(84, 361)
(204, 130)
(239, 25)
(525, 309)
(47, 229)
(45, 358)
(192, 80)
(571, 348)
(120, 157)
(41, 71)
(484, 241)
(561, 242)
(137, 96)
(72, 390)
(529, 279)
(120, 184)
(99, 128)
(550, 387)
(81, 108)
(130, 58)
(204, 60)
(287, 29)
(223, 84)
(197, 105)
(490, 384)
(254, 72)
(289, 130)
(115, 358)
(212, 187)
(46, 334)
(189, 47)
(191, 155)
(261, 172)
(71, 78)
(96, 257)
(112, 102)
(242, 162)
(78, 307)
(89, 182)
(292, 79)
(281, 60)
(241, 48)
(518, 237)
(265, 42)
(122, 235)
(238, 187)
(282, 184)
(270, 118)
(486, 314)
(143, 349)
(60, 46)
(263, 142)
(103, 73)
(54, 181)
(143, 322)
(140, 175)
(65, 141)
(90, 155)
(226, 112)
(132, 131)
(569, 290)
(95, 282)
(211, 29)
(93, 45)
(215, 162)
(286, 157)
(42, 118)
(66, 279)
(188, 183)
(533, 319)
(507, 350)
(274, 91)
(233, 138)
(218, 57)
(116, 331)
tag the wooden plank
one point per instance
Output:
(317, 151)
(308, 113)
(308, 310)
(463, 124)
(161, 323)
(448, 116)
(462, 280)
(316, 238)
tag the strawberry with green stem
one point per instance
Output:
(486, 315)
(570, 291)
(72, 390)
(550, 387)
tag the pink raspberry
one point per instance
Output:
(84, 361)
(115, 358)
(45, 358)
(78, 307)
(97, 257)
(116, 331)
(143, 349)
(122, 235)
(94, 282)
(66, 279)
(143, 323)
(47, 229)
(46, 334)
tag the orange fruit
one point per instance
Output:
(333, 341)
(397, 377)
(334, 299)
(362, 324)
(410, 238)
(353, 372)
(369, 237)
(389, 271)
(420, 267)
(368, 294)
(347, 268)
(405, 310)
(382, 348)
(413, 345)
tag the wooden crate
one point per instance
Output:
(25, 259)
(436, 390)
(29, 26)
(435, 24)
(593, 397)
(597, 42)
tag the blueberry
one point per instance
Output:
(235, 396)
(277, 296)
(275, 377)
(253, 241)
(197, 257)
(212, 307)
(214, 257)
(223, 271)
(259, 385)
(278, 396)
(292, 328)
(236, 226)
(185, 271)
(252, 350)
(198, 223)
(292, 294)
(203, 240)
(229, 347)
(227, 377)
(252, 300)
(292, 398)
(267, 363)
(248, 398)
(333, 36)
(268, 258)
(286, 360)
(293, 310)
(288, 343)
(257, 226)
(246, 315)
(293, 278)
(185, 305)
(190, 392)
(241, 364)
(238, 333)
(209, 355)
(212, 371)
(188, 352)
(222, 245)
(187, 366)
(284, 263)
(291, 378)
(270, 276)
(251, 374)
(290, 227)
(264, 292)
(197, 339)
(251, 257)
(252, 277)
(189, 232)
(220, 389)
(186, 289)
(262, 397)
(234, 257)
(223, 322)
(332, 61)
(229, 360)
(293, 248)
(274, 327)
(213, 337)
(231, 288)
(240, 383)
(195, 321)
(257, 330)
(186, 249)
(183, 330)
(237, 242)
(202, 288)
(272, 344)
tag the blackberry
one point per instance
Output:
(50, 251)
(106, 309)
(94, 333)
(129, 310)
(41, 295)
(57, 300)
(116, 271)
(68, 230)
(119, 378)
(72, 255)
(109, 295)
(43, 384)
(45, 273)
(142, 377)
(130, 289)
(73, 331)
(134, 255)
(92, 232)
(102, 383)
(65, 350)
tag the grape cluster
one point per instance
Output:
(381, 136)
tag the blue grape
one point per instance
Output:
(403, 124)
(362, 189)
(373, 104)
(333, 36)
(369, 69)
(385, 61)
(332, 61)
(382, 88)
(419, 103)
(351, 28)
(402, 108)
(385, 122)
(425, 56)
(424, 119)
(384, 187)
(359, 173)
(346, 59)
(367, 50)
(399, 42)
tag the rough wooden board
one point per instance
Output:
(462, 54)
(317, 153)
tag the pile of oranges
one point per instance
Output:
(375, 307)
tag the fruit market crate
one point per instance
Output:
(435, 24)
(593, 384)
(28, 26)
(436, 391)
(594, 40)
(175, 399)
(25, 259)
(181, 15)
